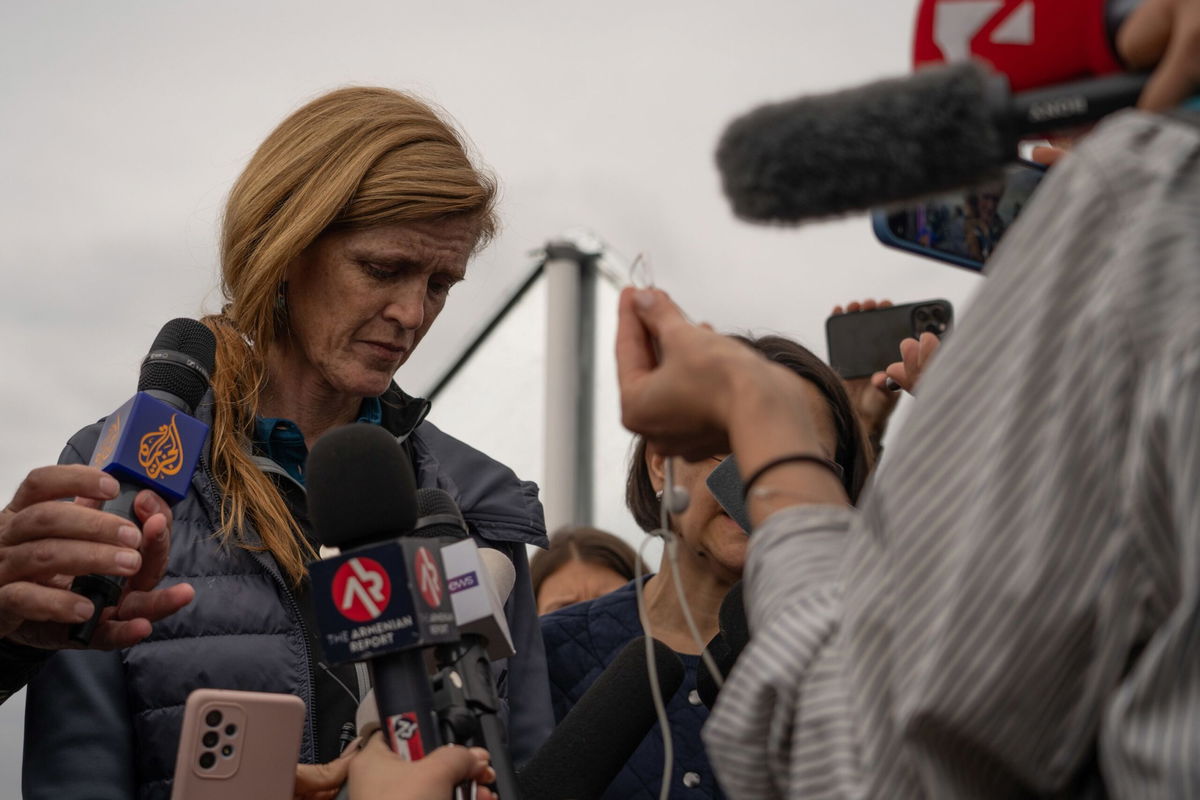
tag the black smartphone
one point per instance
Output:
(725, 483)
(862, 343)
(963, 227)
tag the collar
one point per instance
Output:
(281, 441)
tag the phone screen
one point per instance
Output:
(962, 227)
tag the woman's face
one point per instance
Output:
(704, 527)
(574, 582)
(360, 301)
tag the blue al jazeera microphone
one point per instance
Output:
(153, 441)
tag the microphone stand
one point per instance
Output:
(465, 702)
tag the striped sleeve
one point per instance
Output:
(794, 607)
(1150, 735)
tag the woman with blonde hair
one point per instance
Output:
(341, 241)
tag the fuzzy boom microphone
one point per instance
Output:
(936, 130)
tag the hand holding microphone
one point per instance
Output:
(376, 773)
(153, 441)
(45, 543)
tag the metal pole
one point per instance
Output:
(560, 490)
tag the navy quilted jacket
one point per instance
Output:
(581, 640)
(106, 725)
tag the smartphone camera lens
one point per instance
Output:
(210, 739)
(207, 760)
(230, 729)
(922, 316)
(227, 750)
(939, 314)
(213, 718)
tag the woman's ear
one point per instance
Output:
(655, 466)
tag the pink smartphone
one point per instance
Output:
(238, 744)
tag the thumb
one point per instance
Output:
(657, 311)
(312, 778)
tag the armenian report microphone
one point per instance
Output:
(153, 441)
(384, 598)
(894, 140)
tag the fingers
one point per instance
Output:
(1143, 37)
(1046, 156)
(313, 779)
(156, 539)
(928, 345)
(32, 602)
(157, 604)
(458, 764)
(62, 481)
(1178, 76)
(137, 610)
(896, 373)
(635, 348)
(43, 558)
(54, 520)
(657, 312)
(870, 304)
(915, 357)
(910, 355)
(1164, 35)
(484, 772)
(114, 634)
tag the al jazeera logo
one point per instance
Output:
(160, 452)
(108, 443)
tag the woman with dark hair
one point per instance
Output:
(580, 564)
(582, 639)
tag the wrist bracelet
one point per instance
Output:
(828, 464)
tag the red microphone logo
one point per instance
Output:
(428, 579)
(361, 589)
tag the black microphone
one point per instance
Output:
(383, 598)
(153, 441)
(732, 637)
(601, 732)
(465, 693)
(939, 129)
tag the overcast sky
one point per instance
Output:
(125, 123)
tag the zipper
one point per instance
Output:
(263, 560)
(308, 654)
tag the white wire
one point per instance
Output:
(673, 559)
(670, 542)
(660, 707)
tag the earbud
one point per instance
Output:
(675, 501)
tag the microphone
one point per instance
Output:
(726, 646)
(464, 692)
(383, 598)
(602, 731)
(153, 441)
(480, 579)
(936, 130)
(1034, 43)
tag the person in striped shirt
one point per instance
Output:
(1014, 610)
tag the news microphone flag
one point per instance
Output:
(363, 613)
(152, 444)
